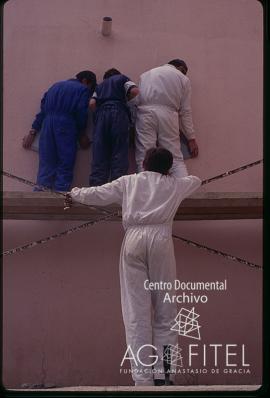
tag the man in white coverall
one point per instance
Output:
(149, 202)
(164, 105)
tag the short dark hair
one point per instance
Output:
(178, 62)
(89, 76)
(158, 159)
(111, 72)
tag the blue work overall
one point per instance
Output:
(111, 131)
(64, 111)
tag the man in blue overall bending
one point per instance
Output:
(62, 122)
(111, 131)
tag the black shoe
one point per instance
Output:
(161, 382)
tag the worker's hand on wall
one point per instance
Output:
(68, 201)
(29, 139)
(193, 148)
(92, 104)
(84, 141)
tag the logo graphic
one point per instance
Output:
(187, 324)
(172, 354)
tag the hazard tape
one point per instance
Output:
(45, 189)
(218, 252)
(59, 235)
(30, 183)
(230, 172)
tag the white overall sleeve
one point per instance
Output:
(185, 113)
(100, 196)
(188, 185)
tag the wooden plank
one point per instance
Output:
(200, 206)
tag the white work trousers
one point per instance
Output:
(147, 253)
(158, 125)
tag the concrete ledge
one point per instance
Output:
(200, 206)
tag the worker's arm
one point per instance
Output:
(130, 88)
(36, 125)
(132, 93)
(81, 117)
(100, 196)
(185, 115)
(188, 185)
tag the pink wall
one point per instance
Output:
(62, 318)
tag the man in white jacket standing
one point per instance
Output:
(149, 202)
(164, 104)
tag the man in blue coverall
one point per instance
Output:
(62, 120)
(111, 131)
